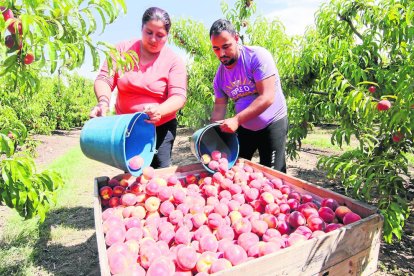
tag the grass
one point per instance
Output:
(24, 243)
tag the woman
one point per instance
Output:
(157, 86)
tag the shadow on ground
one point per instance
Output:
(74, 254)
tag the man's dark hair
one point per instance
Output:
(155, 13)
(220, 26)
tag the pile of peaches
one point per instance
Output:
(199, 224)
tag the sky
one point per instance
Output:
(296, 15)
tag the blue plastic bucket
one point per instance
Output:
(210, 138)
(114, 140)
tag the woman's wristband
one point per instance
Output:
(104, 101)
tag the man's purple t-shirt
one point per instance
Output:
(239, 84)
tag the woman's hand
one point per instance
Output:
(153, 113)
(99, 110)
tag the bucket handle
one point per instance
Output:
(128, 132)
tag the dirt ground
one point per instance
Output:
(395, 259)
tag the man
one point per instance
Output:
(248, 76)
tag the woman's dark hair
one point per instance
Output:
(220, 26)
(155, 13)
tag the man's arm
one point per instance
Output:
(219, 110)
(266, 90)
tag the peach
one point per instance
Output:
(119, 262)
(205, 158)
(327, 214)
(128, 199)
(191, 179)
(148, 254)
(269, 248)
(315, 223)
(135, 188)
(225, 194)
(239, 197)
(284, 208)
(167, 236)
(341, 211)
(183, 235)
(139, 212)
(151, 188)
(113, 182)
(304, 230)
(295, 238)
(205, 261)
(270, 234)
(272, 208)
(223, 167)
(166, 208)
(186, 258)
(161, 266)
(215, 155)
(271, 220)
(133, 247)
(307, 210)
(306, 198)
(208, 243)
(199, 219)
(251, 194)
(330, 203)
(247, 240)
(283, 227)
(111, 222)
(332, 226)
(316, 234)
(213, 165)
(350, 217)
(294, 195)
(259, 227)
(211, 200)
(233, 205)
(172, 180)
(246, 210)
(150, 231)
(183, 207)
(296, 219)
(133, 222)
(117, 247)
(118, 191)
(210, 190)
(148, 172)
(152, 204)
(178, 195)
(235, 254)
(242, 226)
(134, 233)
(285, 189)
(108, 213)
(219, 265)
(214, 220)
(200, 232)
(105, 192)
(114, 202)
(224, 232)
(115, 234)
(235, 189)
(293, 203)
(136, 162)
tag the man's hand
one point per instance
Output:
(229, 125)
(99, 110)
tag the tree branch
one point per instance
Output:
(347, 20)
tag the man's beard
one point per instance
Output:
(228, 62)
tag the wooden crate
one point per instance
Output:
(350, 250)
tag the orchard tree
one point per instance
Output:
(41, 36)
(356, 70)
